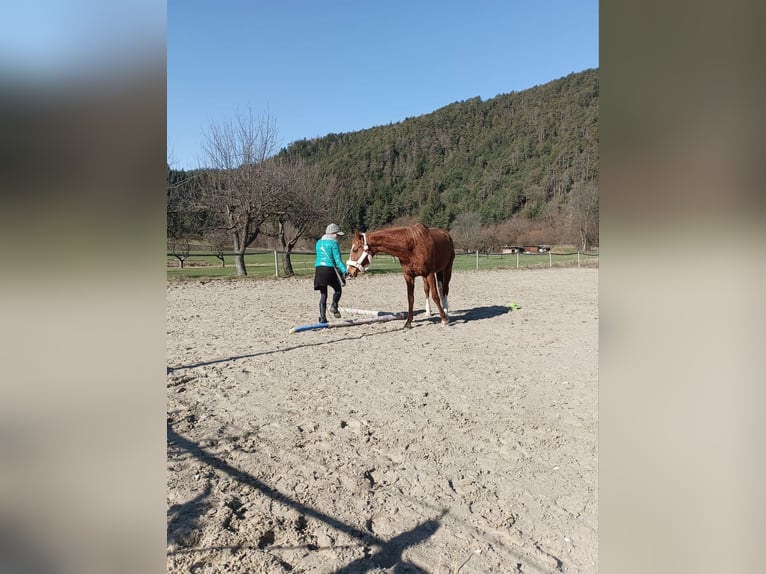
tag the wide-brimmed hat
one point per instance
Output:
(332, 228)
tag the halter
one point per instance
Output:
(365, 256)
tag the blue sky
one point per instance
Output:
(49, 41)
(341, 65)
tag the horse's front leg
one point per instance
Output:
(410, 300)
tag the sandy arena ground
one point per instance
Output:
(470, 448)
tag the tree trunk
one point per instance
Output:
(287, 247)
(287, 264)
(584, 239)
(239, 264)
(239, 254)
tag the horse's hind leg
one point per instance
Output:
(441, 291)
(444, 278)
(437, 298)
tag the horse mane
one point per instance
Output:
(410, 234)
(418, 232)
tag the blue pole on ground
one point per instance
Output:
(349, 322)
(309, 327)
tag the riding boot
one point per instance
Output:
(323, 312)
(334, 305)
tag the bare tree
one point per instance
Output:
(180, 249)
(242, 191)
(182, 217)
(583, 213)
(405, 221)
(519, 230)
(306, 199)
(218, 241)
(490, 241)
(505, 233)
(466, 230)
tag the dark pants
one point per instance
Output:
(327, 277)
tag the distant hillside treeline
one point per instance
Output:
(519, 168)
(515, 155)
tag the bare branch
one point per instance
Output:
(242, 188)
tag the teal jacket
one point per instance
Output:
(328, 254)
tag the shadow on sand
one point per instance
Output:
(387, 554)
(462, 316)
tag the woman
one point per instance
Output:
(329, 270)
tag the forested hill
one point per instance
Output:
(516, 155)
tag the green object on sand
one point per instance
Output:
(513, 306)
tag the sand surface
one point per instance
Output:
(469, 448)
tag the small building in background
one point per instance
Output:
(526, 249)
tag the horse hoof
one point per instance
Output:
(407, 326)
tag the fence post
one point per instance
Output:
(578, 258)
(477, 260)
(517, 260)
(276, 265)
(550, 259)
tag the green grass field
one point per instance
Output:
(261, 265)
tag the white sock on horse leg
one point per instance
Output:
(428, 306)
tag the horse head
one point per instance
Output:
(360, 257)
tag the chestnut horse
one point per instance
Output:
(422, 252)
